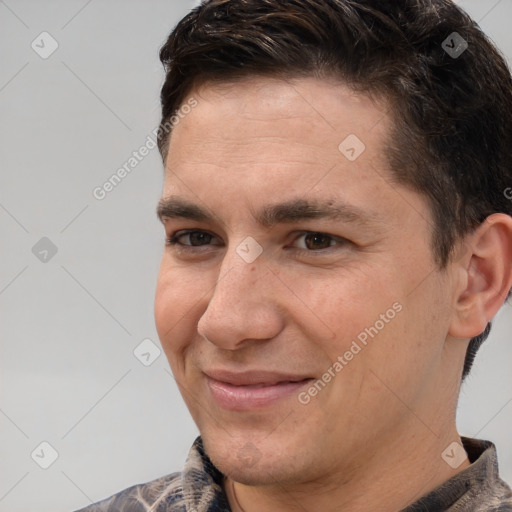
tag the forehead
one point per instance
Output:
(265, 137)
(258, 98)
(263, 119)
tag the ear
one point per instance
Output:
(487, 271)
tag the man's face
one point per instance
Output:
(254, 316)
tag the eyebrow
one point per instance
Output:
(291, 211)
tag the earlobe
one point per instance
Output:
(488, 276)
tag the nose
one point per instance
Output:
(243, 307)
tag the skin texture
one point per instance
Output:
(372, 438)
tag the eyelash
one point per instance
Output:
(173, 241)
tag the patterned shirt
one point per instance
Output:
(198, 488)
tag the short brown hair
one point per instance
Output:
(452, 110)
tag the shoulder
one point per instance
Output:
(494, 495)
(163, 494)
(504, 507)
(197, 487)
(503, 503)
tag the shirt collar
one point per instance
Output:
(202, 482)
(203, 492)
(466, 485)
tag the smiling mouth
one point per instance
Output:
(252, 390)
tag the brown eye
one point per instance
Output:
(195, 238)
(312, 241)
(317, 241)
(199, 238)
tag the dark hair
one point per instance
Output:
(451, 106)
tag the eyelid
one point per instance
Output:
(173, 239)
(335, 238)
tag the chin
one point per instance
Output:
(251, 462)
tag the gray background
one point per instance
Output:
(70, 324)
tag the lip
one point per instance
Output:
(252, 389)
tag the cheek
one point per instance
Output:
(337, 306)
(177, 302)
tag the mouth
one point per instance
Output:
(253, 389)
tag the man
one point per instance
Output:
(338, 239)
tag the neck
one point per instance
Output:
(391, 478)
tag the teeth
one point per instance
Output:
(267, 384)
(260, 385)
(274, 383)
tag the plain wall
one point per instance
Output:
(69, 325)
